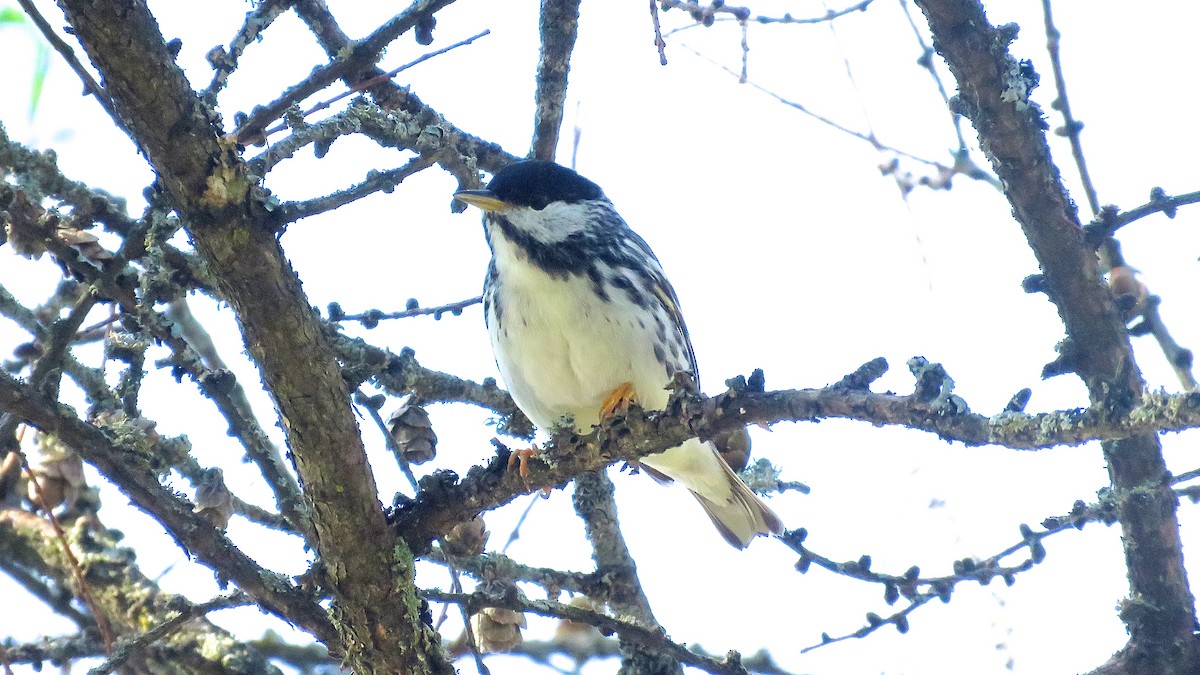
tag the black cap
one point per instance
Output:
(537, 183)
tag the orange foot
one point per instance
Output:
(521, 457)
(618, 401)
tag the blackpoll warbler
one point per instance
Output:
(583, 321)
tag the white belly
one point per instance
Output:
(562, 350)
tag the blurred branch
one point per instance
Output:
(53, 649)
(124, 597)
(197, 356)
(1180, 358)
(56, 599)
(926, 62)
(129, 649)
(127, 466)
(558, 26)
(628, 629)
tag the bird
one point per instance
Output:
(583, 322)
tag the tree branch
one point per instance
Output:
(596, 504)
(994, 93)
(348, 66)
(653, 639)
(559, 25)
(445, 500)
(128, 464)
(369, 575)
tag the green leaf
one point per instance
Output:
(40, 67)
(11, 15)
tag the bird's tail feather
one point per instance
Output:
(744, 516)
(735, 510)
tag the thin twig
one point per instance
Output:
(84, 589)
(372, 317)
(967, 569)
(823, 120)
(406, 468)
(1071, 127)
(659, 42)
(489, 566)
(622, 626)
(706, 15)
(376, 181)
(515, 534)
(90, 84)
(1105, 226)
(379, 79)
(926, 62)
(224, 62)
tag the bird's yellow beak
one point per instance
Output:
(485, 200)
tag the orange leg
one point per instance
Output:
(618, 401)
(521, 458)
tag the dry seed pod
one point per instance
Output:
(578, 637)
(214, 502)
(467, 538)
(411, 428)
(1129, 293)
(497, 629)
(86, 243)
(58, 474)
(734, 446)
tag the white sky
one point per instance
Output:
(789, 252)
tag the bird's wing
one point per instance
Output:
(665, 295)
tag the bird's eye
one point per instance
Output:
(540, 203)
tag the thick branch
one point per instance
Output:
(994, 93)
(369, 576)
(559, 26)
(445, 501)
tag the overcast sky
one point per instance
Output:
(789, 250)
